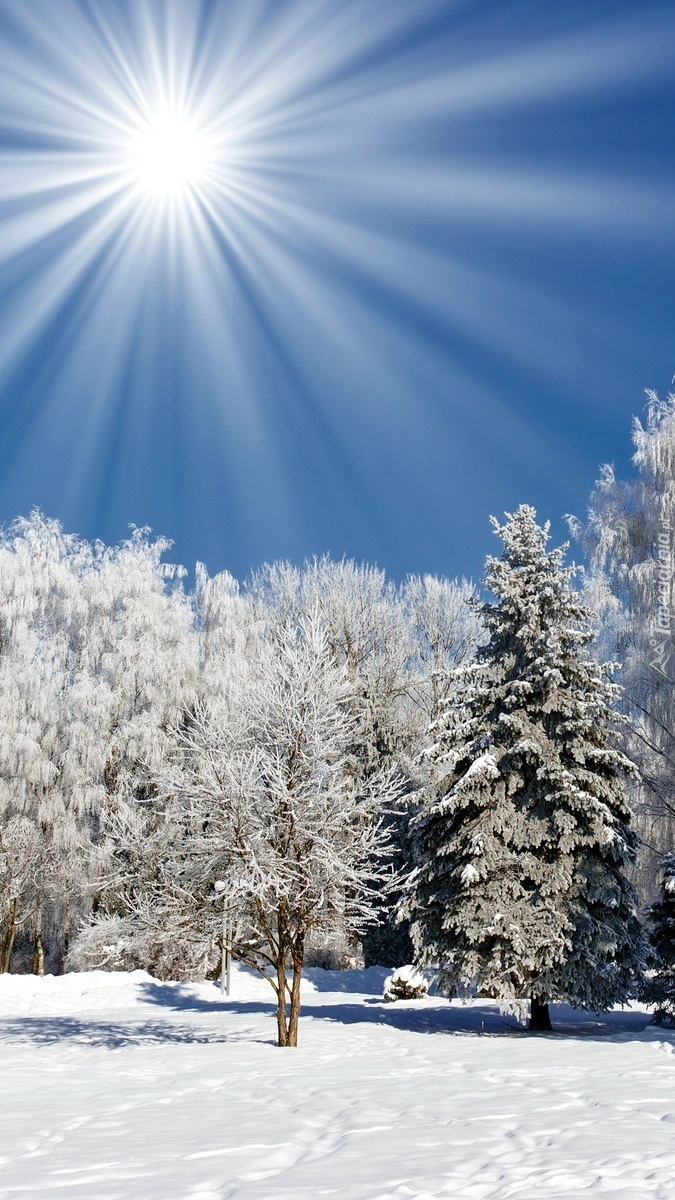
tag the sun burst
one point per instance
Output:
(169, 157)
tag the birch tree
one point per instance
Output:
(43, 822)
(98, 657)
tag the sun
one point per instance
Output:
(169, 156)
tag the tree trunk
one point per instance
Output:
(298, 962)
(38, 967)
(282, 1024)
(66, 926)
(540, 1019)
(8, 945)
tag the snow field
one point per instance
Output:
(119, 1087)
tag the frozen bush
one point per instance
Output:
(123, 944)
(405, 983)
(333, 952)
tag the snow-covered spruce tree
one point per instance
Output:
(260, 799)
(524, 834)
(660, 988)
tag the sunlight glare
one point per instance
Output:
(169, 156)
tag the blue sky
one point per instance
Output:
(422, 272)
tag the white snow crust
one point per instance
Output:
(119, 1087)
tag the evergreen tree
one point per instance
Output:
(524, 832)
(660, 989)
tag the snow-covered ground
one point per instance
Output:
(117, 1087)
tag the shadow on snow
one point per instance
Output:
(44, 1031)
(418, 1017)
(434, 1016)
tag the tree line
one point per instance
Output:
(319, 759)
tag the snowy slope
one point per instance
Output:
(118, 1087)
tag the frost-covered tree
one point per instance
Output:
(523, 837)
(660, 987)
(174, 939)
(396, 646)
(104, 658)
(445, 626)
(22, 863)
(137, 661)
(263, 802)
(227, 624)
(443, 630)
(98, 655)
(137, 674)
(369, 638)
(629, 537)
(43, 818)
